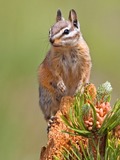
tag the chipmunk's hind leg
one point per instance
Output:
(45, 101)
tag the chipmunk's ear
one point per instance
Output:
(59, 16)
(73, 18)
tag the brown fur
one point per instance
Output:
(68, 66)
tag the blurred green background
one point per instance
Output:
(24, 26)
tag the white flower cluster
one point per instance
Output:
(105, 88)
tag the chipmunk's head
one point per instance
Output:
(65, 32)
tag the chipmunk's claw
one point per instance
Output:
(50, 123)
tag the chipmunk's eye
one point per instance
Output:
(66, 31)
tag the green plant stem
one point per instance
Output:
(97, 146)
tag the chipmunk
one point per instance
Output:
(66, 66)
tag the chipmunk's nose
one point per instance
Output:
(51, 40)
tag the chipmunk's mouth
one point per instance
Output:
(53, 43)
(56, 45)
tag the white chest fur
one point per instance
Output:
(70, 62)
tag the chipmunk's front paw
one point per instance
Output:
(80, 88)
(61, 86)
